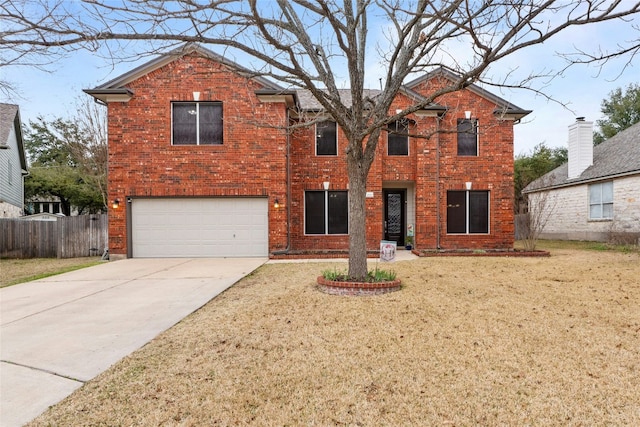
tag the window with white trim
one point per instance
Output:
(601, 200)
(467, 137)
(196, 123)
(326, 212)
(326, 138)
(467, 212)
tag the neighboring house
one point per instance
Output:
(206, 159)
(46, 204)
(44, 216)
(596, 195)
(13, 163)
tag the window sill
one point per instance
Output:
(468, 234)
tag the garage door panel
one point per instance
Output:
(221, 227)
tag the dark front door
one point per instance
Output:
(394, 221)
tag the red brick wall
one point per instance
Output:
(142, 162)
(253, 160)
(491, 170)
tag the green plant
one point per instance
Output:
(375, 275)
(378, 275)
(334, 274)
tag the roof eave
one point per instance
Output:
(111, 95)
(435, 111)
(17, 123)
(511, 113)
(171, 56)
(278, 96)
(579, 181)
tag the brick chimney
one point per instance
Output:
(580, 147)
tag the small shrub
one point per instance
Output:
(620, 238)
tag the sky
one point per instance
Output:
(54, 93)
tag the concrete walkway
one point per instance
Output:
(57, 333)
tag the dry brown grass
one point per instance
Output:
(15, 271)
(468, 341)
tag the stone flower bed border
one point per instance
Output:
(335, 287)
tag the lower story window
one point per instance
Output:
(601, 200)
(326, 212)
(467, 212)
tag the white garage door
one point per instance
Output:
(222, 227)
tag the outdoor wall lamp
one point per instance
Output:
(467, 114)
(276, 204)
(116, 204)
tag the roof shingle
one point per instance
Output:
(619, 155)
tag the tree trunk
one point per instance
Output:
(357, 172)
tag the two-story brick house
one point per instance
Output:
(206, 159)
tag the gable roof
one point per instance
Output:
(10, 116)
(503, 107)
(307, 102)
(115, 90)
(615, 157)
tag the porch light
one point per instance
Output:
(116, 204)
(276, 204)
(467, 114)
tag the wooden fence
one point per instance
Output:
(67, 237)
(521, 226)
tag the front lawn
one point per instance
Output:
(16, 271)
(467, 341)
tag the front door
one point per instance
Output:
(394, 211)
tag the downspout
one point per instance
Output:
(288, 194)
(288, 178)
(24, 174)
(438, 119)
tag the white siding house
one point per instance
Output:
(596, 195)
(13, 165)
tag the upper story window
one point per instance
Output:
(196, 123)
(601, 200)
(326, 212)
(398, 138)
(467, 137)
(326, 138)
(467, 212)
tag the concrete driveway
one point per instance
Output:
(57, 333)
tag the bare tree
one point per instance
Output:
(321, 46)
(541, 205)
(92, 151)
